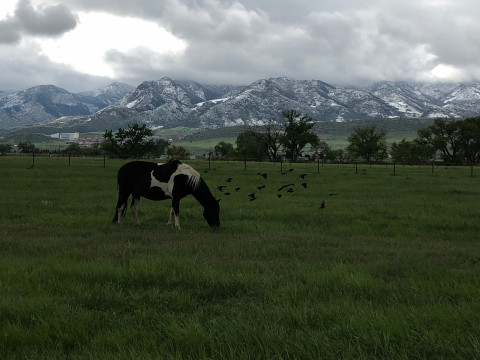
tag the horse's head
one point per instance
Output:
(212, 214)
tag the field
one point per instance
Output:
(388, 269)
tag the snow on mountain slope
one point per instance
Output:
(169, 103)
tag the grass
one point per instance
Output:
(388, 269)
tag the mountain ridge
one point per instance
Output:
(170, 103)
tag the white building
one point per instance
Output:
(66, 136)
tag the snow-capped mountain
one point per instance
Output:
(110, 94)
(170, 103)
(41, 104)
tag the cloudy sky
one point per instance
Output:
(85, 44)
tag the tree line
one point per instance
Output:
(451, 141)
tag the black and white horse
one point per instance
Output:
(172, 180)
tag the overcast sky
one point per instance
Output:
(85, 44)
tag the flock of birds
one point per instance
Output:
(224, 189)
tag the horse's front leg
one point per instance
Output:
(175, 213)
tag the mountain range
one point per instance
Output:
(169, 103)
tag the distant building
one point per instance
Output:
(66, 136)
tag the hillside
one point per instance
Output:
(167, 103)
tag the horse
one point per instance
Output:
(171, 180)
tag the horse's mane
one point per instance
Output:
(192, 174)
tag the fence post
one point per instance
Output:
(281, 165)
(394, 173)
(69, 155)
(209, 156)
(33, 158)
(104, 160)
(245, 163)
(356, 166)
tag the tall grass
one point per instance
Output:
(388, 269)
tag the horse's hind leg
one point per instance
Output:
(134, 207)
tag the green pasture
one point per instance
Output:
(388, 269)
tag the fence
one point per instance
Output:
(358, 167)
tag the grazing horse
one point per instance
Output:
(172, 180)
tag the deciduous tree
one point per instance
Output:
(444, 136)
(134, 142)
(368, 143)
(297, 133)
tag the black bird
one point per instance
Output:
(227, 193)
(304, 185)
(290, 190)
(220, 188)
(279, 195)
(290, 170)
(260, 187)
(284, 186)
(303, 176)
(283, 173)
(253, 198)
(252, 195)
(264, 175)
(332, 194)
(322, 204)
(229, 180)
(236, 189)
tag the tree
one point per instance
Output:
(470, 139)
(444, 136)
(367, 143)
(297, 133)
(74, 149)
(27, 147)
(177, 152)
(409, 151)
(248, 146)
(269, 135)
(135, 142)
(223, 149)
(5, 148)
(325, 152)
(159, 148)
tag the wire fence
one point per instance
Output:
(281, 165)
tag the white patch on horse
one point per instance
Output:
(182, 169)
(164, 186)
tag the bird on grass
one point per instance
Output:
(253, 198)
(285, 186)
(290, 170)
(304, 185)
(238, 188)
(290, 190)
(229, 179)
(221, 187)
(303, 176)
(279, 195)
(333, 194)
(322, 204)
(227, 193)
(264, 175)
(260, 187)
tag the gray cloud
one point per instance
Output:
(46, 21)
(228, 41)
